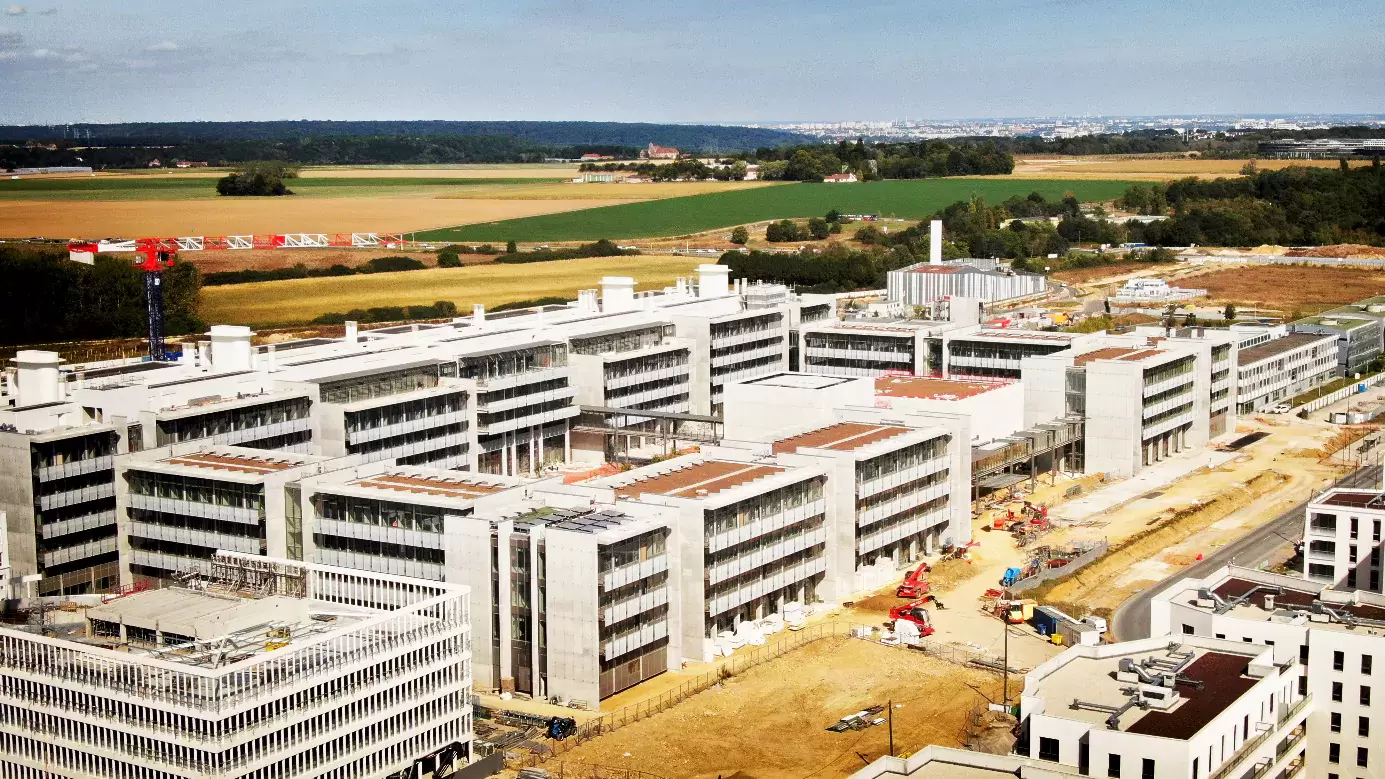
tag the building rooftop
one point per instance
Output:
(1209, 682)
(1114, 353)
(1288, 603)
(1338, 320)
(932, 389)
(235, 462)
(799, 381)
(699, 480)
(938, 269)
(1357, 499)
(841, 437)
(1278, 346)
(463, 486)
(1007, 334)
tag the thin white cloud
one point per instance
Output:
(163, 46)
(15, 10)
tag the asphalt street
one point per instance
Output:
(1131, 620)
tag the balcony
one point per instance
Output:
(647, 396)
(765, 555)
(626, 608)
(405, 427)
(622, 380)
(259, 432)
(390, 535)
(771, 582)
(417, 569)
(78, 524)
(716, 542)
(531, 420)
(735, 358)
(1250, 750)
(868, 487)
(747, 373)
(80, 551)
(1164, 385)
(520, 379)
(737, 339)
(1168, 404)
(898, 505)
(488, 405)
(904, 355)
(189, 508)
(629, 642)
(202, 538)
(890, 533)
(77, 468)
(73, 497)
(416, 447)
(626, 574)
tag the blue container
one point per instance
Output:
(1045, 621)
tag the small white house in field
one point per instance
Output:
(839, 178)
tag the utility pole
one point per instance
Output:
(890, 718)
(1005, 693)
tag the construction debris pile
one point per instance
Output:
(992, 732)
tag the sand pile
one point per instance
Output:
(1351, 250)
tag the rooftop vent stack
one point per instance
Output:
(713, 281)
(204, 355)
(267, 362)
(680, 285)
(1269, 603)
(586, 301)
(37, 373)
(351, 332)
(478, 315)
(617, 294)
(935, 242)
(188, 353)
(231, 349)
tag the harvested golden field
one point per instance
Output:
(238, 216)
(1136, 167)
(300, 300)
(1288, 287)
(368, 171)
(769, 722)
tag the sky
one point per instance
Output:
(714, 61)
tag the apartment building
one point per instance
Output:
(57, 484)
(1342, 535)
(1279, 368)
(995, 353)
(1224, 342)
(267, 668)
(524, 401)
(1358, 336)
(757, 530)
(863, 348)
(1325, 637)
(805, 310)
(1141, 403)
(177, 506)
(1166, 708)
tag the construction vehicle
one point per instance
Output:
(915, 612)
(159, 254)
(1016, 612)
(916, 583)
(1012, 575)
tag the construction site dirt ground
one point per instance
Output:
(770, 722)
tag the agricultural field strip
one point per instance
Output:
(699, 213)
(179, 188)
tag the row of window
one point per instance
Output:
(191, 428)
(1334, 756)
(195, 490)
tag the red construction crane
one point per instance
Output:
(159, 254)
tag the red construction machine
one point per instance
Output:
(915, 612)
(916, 583)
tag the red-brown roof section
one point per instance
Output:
(460, 488)
(843, 437)
(1223, 680)
(223, 462)
(1113, 353)
(931, 389)
(709, 477)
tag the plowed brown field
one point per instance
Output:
(1287, 287)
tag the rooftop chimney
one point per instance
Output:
(37, 373)
(586, 301)
(617, 294)
(351, 332)
(935, 242)
(478, 315)
(231, 349)
(713, 281)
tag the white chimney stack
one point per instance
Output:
(351, 332)
(231, 349)
(478, 315)
(713, 281)
(587, 301)
(38, 376)
(935, 242)
(617, 294)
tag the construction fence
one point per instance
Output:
(559, 769)
(738, 663)
(1046, 574)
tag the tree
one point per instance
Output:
(818, 228)
(1229, 313)
(1107, 304)
(835, 228)
(511, 247)
(783, 231)
(257, 179)
(738, 170)
(740, 236)
(834, 216)
(1190, 320)
(448, 258)
(1250, 169)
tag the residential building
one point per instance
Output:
(925, 282)
(865, 348)
(266, 668)
(1342, 536)
(657, 152)
(1329, 640)
(1166, 708)
(839, 178)
(176, 506)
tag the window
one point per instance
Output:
(1362, 757)
(1187, 630)
(1336, 722)
(1302, 685)
(1113, 765)
(1365, 695)
(1336, 692)
(1363, 727)
(1303, 653)
(1221, 635)
(1048, 749)
(1147, 768)
(1339, 661)
(1366, 664)
(1334, 753)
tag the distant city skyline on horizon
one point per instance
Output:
(705, 61)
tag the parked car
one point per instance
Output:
(1282, 408)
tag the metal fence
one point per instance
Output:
(565, 770)
(628, 715)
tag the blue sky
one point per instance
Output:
(695, 60)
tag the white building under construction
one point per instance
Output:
(263, 669)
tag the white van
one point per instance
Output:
(1097, 622)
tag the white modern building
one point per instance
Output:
(1274, 366)
(1342, 539)
(266, 668)
(923, 283)
(1326, 639)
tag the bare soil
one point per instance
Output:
(1289, 287)
(769, 723)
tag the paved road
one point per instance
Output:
(1131, 620)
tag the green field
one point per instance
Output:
(697, 213)
(204, 187)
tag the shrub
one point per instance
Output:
(390, 265)
(449, 259)
(740, 236)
